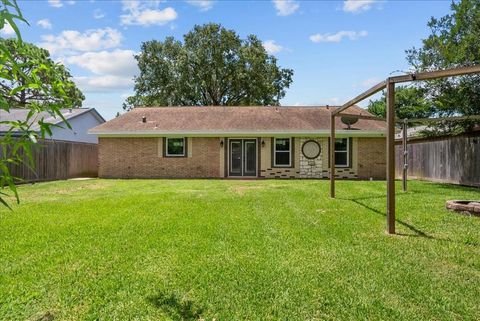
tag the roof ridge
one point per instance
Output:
(289, 106)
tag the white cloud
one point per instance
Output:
(7, 30)
(102, 84)
(59, 3)
(116, 63)
(357, 5)
(112, 70)
(285, 7)
(98, 14)
(55, 3)
(271, 47)
(204, 5)
(145, 14)
(44, 23)
(337, 37)
(105, 71)
(69, 41)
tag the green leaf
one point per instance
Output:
(48, 87)
(33, 138)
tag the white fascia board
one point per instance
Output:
(318, 133)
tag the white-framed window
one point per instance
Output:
(342, 152)
(282, 152)
(175, 147)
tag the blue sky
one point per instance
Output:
(337, 49)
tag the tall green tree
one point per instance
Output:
(56, 95)
(410, 103)
(212, 66)
(453, 42)
(29, 58)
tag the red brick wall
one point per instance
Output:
(141, 158)
(372, 158)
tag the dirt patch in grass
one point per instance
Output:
(50, 191)
(91, 186)
(242, 189)
(45, 316)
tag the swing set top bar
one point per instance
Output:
(375, 89)
(412, 120)
(407, 78)
(427, 75)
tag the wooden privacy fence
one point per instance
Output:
(450, 159)
(54, 160)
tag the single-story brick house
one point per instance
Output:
(221, 142)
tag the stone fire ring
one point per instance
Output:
(464, 207)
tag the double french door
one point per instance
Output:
(243, 157)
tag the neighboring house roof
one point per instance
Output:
(412, 132)
(419, 132)
(15, 114)
(233, 120)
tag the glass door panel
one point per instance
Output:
(236, 158)
(250, 158)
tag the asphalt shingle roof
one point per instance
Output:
(231, 119)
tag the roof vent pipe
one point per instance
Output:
(144, 119)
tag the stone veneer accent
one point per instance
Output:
(310, 168)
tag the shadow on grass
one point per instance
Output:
(177, 309)
(450, 186)
(383, 195)
(417, 232)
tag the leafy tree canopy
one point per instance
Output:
(453, 42)
(409, 103)
(212, 66)
(32, 60)
(28, 79)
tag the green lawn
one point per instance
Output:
(237, 250)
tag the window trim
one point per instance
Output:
(165, 149)
(274, 152)
(347, 152)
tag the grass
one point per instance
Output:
(237, 250)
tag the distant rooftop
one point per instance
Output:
(15, 114)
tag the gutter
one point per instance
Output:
(310, 133)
